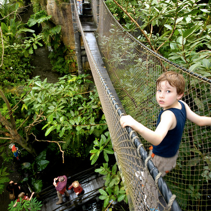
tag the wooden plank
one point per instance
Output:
(89, 26)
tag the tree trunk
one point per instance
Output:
(15, 136)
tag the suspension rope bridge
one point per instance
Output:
(125, 80)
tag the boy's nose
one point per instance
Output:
(161, 94)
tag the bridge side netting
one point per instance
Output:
(133, 70)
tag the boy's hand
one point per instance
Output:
(127, 121)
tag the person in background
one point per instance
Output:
(14, 190)
(23, 197)
(77, 188)
(60, 185)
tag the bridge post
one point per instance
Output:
(77, 39)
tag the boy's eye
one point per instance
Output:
(158, 90)
(168, 91)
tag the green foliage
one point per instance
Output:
(38, 18)
(12, 32)
(103, 145)
(69, 111)
(179, 30)
(6, 9)
(32, 205)
(114, 187)
(194, 192)
(51, 36)
(16, 67)
(48, 31)
(59, 63)
(3, 178)
(34, 168)
(32, 43)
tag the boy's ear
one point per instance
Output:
(180, 96)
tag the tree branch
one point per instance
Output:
(142, 31)
(9, 108)
(5, 138)
(2, 42)
(57, 142)
(175, 19)
(131, 18)
(5, 123)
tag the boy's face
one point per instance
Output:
(167, 96)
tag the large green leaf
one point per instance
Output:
(121, 197)
(49, 130)
(105, 156)
(103, 192)
(41, 156)
(37, 185)
(106, 201)
(190, 31)
(42, 164)
(26, 165)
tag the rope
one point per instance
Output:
(139, 146)
(146, 161)
(168, 208)
(135, 137)
(131, 133)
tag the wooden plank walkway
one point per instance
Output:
(89, 26)
(90, 186)
(93, 46)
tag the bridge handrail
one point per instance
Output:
(168, 196)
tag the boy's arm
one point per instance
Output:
(154, 137)
(31, 196)
(54, 182)
(195, 118)
(15, 204)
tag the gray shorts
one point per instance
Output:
(164, 165)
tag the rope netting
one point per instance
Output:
(133, 70)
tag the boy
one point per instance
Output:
(170, 125)
(77, 188)
(24, 198)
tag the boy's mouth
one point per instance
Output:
(161, 102)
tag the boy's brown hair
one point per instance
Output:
(61, 179)
(174, 79)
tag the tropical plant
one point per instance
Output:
(60, 55)
(9, 128)
(103, 145)
(39, 164)
(32, 205)
(15, 67)
(3, 178)
(67, 110)
(179, 30)
(114, 187)
(32, 44)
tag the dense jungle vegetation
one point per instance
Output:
(68, 114)
(178, 30)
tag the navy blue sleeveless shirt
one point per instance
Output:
(170, 144)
